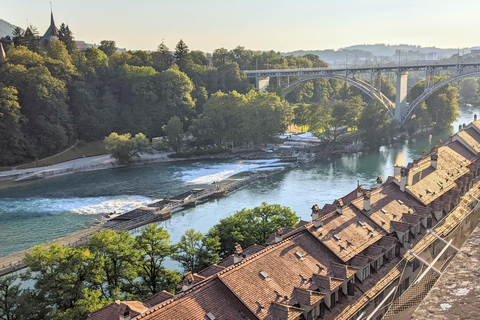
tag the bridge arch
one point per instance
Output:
(427, 93)
(361, 85)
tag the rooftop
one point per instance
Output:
(387, 203)
(347, 234)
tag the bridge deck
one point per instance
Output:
(353, 70)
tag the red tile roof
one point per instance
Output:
(114, 310)
(347, 234)
(212, 296)
(158, 298)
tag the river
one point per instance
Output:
(33, 212)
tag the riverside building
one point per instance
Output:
(346, 260)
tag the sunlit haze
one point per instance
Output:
(259, 25)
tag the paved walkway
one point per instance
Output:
(77, 165)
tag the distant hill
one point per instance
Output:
(6, 28)
(381, 52)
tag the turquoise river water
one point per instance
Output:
(33, 212)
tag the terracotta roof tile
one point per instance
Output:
(227, 262)
(114, 310)
(158, 298)
(412, 219)
(211, 270)
(279, 268)
(400, 226)
(212, 296)
(427, 184)
(387, 203)
(347, 234)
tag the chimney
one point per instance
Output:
(238, 254)
(278, 234)
(359, 191)
(125, 315)
(379, 181)
(366, 201)
(317, 223)
(459, 127)
(475, 117)
(464, 126)
(187, 281)
(434, 158)
(404, 178)
(315, 212)
(339, 206)
(397, 169)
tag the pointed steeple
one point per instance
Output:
(52, 22)
(51, 33)
(2, 52)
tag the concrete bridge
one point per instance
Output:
(400, 110)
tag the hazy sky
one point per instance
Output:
(257, 24)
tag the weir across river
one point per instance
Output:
(157, 211)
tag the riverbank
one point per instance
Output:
(107, 162)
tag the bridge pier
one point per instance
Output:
(401, 98)
(262, 83)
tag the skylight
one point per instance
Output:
(210, 316)
(264, 275)
(336, 237)
(360, 222)
(299, 255)
(384, 211)
(400, 201)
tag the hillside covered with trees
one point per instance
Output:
(52, 97)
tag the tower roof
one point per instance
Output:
(52, 30)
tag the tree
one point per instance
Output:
(31, 39)
(196, 252)
(10, 300)
(468, 90)
(373, 123)
(109, 47)
(251, 226)
(181, 54)
(66, 36)
(12, 144)
(115, 260)
(162, 58)
(43, 100)
(174, 92)
(174, 131)
(153, 245)
(60, 275)
(124, 148)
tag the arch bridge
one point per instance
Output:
(289, 79)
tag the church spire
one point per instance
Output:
(52, 22)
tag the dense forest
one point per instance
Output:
(52, 97)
